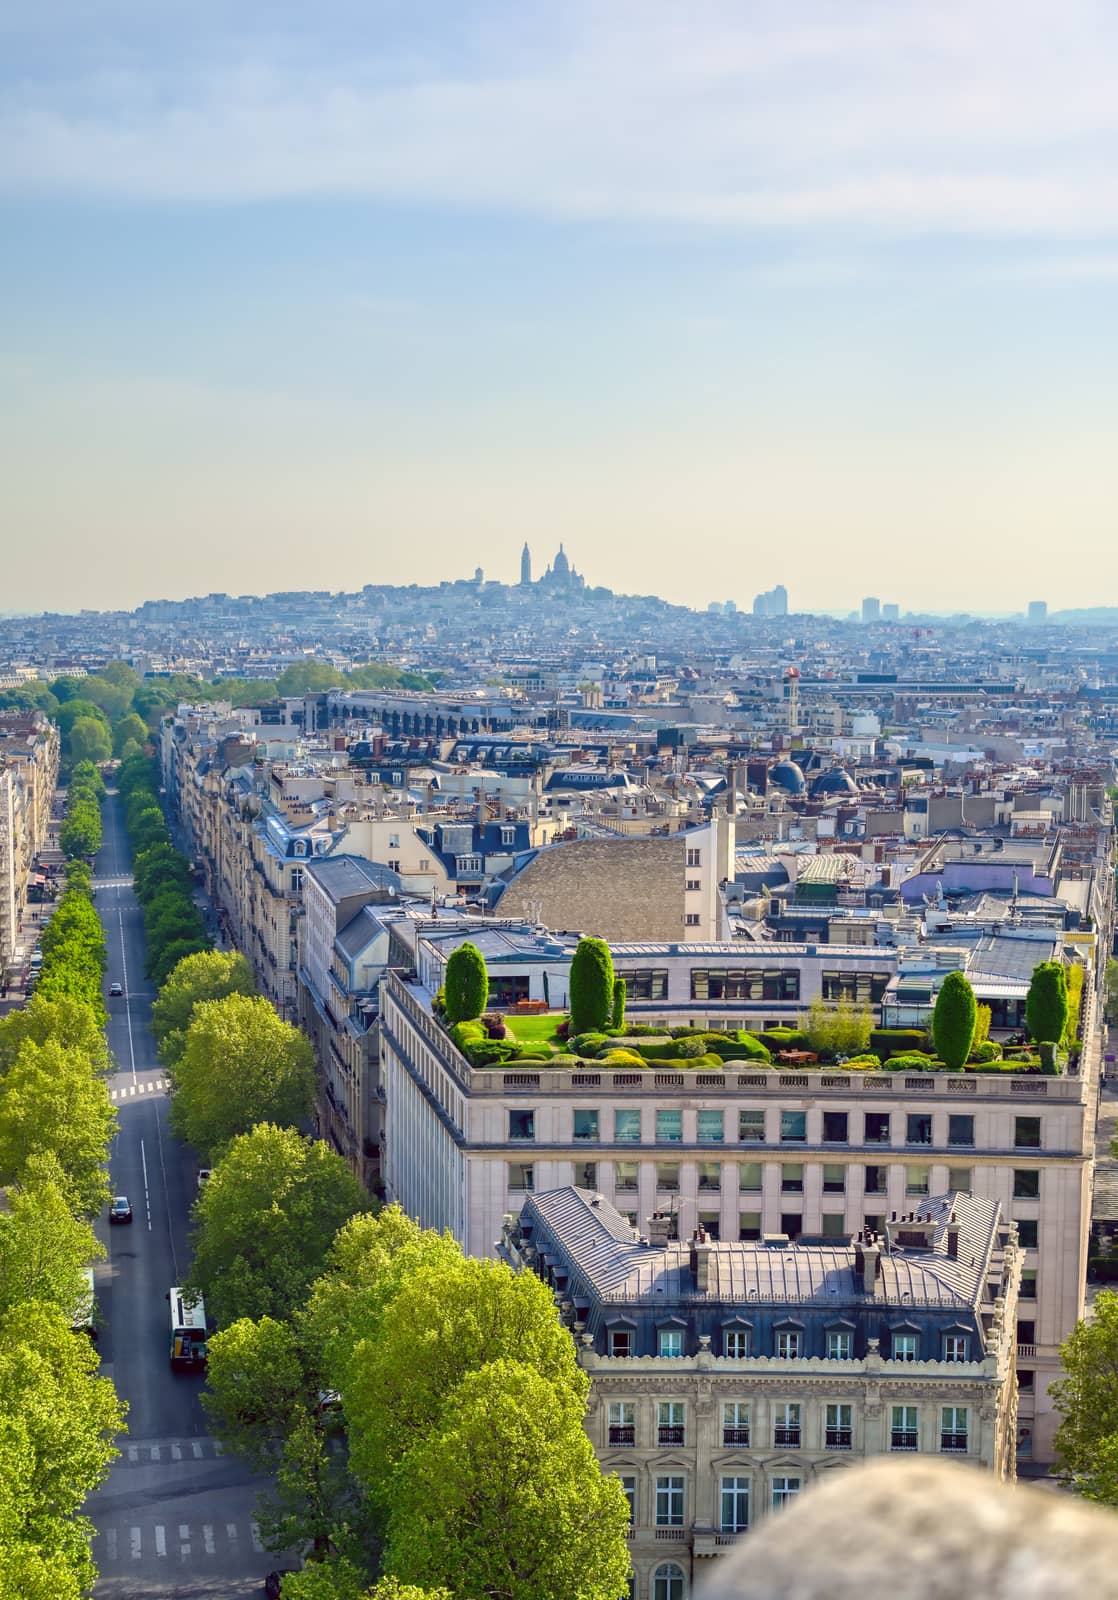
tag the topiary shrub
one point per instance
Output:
(954, 1019)
(1046, 1004)
(495, 1025)
(467, 983)
(621, 1058)
(776, 1039)
(591, 985)
(886, 1042)
(565, 1061)
(912, 1061)
(689, 1048)
(617, 1014)
(985, 1050)
(563, 1031)
(537, 1050)
(684, 1031)
(438, 1002)
(491, 1052)
(588, 1044)
(466, 1034)
(742, 1047)
(866, 1063)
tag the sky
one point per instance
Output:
(720, 295)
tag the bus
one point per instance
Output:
(188, 1330)
(83, 1319)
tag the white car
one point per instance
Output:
(204, 1176)
(116, 990)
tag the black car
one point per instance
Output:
(273, 1583)
(121, 1209)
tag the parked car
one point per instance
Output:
(204, 1174)
(121, 1209)
(115, 990)
(273, 1583)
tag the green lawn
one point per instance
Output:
(536, 1028)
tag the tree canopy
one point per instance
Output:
(1087, 1399)
(466, 986)
(1046, 1004)
(954, 1020)
(240, 1065)
(591, 986)
(52, 1104)
(205, 975)
(43, 1246)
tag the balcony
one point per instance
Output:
(668, 1435)
(956, 1442)
(735, 1436)
(839, 1438)
(671, 1533)
(619, 1436)
(718, 1543)
(789, 1436)
(1026, 1352)
(901, 1439)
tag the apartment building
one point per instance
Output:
(816, 1153)
(29, 757)
(726, 1378)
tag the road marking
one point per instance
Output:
(127, 1002)
(208, 1538)
(184, 1540)
(133, 1453)
(176, 1452)
(110, 1544)
(166, 1195)
(256, 1544)
(137, 1543)
(197, 1448)
(231, 1533)
(160, 1539)
(147, 1195)
(155, 1452)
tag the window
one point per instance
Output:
(735, 1505)
(835, 1125)
(1026, 1133)
(840, 1344)
(918, 1128)
(737, 983)
(873, 1223)
(786, 1423)
(751, 1127)
(791, 1223)
(749, 1177)
(1026, 1381)
(834, 1225)
(789, 1343)
(916, 1180)
(1028, 1284)
(669, 1422)
(694, 858)
(646, 983)
(792, 1178)
(735, 1422)
(956, 1347)
(625, 1174)
(840, 1427)
(668, 1582)
(953, 1428)
(784, 1489)
(877, 1127)
(586, 1126)
(669, 1127)
(622, 1422)
(669, 1502)
(905, 1431)
(860, 988)
(296, 879)
(522, 1125)
(521, 1175)
(710, 1127)
(693, 883)
(834, 1179)
(393, 841)
(692, 919)
(1026, 1183)
(959, 1178)
(627, 1127)
(904, 1346)
(629, 1489)
(793, 1127)
(622, 1342)
(960, 1130)
(670, 1343)
(735, 1343)
(749, 1225)
(586, 1174)
(508, 835)
(667, 1176)
(710, 1177)
(876, 1180)
(1027, 1233)
(1026, 1331)
(711, 1224)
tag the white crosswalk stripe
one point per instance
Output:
(197, 1449)
(184, 1539)
(160, 1539)
(110, 1544)
(155, 1452)
(176, 1452)
(208, 1538)
(133, 1452)
(231, 1533)
(137, 1536)
(256, 1544)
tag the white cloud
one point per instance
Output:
(980, 118)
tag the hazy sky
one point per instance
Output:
(720, 294)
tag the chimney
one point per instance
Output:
(871, 1266)
(661, 1229)
(701, 1252)
(953, 1242)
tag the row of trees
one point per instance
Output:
(58, 1418)
(80, 834)
(173, 924)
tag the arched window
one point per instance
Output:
(668, 1582)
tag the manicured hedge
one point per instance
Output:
(776, 1039)
(897, 1041)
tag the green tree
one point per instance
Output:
(43, 1246)
(444, 1322)
(89, 740)
(591, 986)
(466, 984)
(1046, 1004)
(1112, 991)
(78, 876)
(340, 1579)
(208, 975)
(839, 1029)
(617, 1014)
(85, 776)
(265, 1221)
(113, 699)
(58, 1420)
(240, 1065)
(130, 729)
(80, 834)
(75, 1027)
(162, 964)
(161, 866)
(76, 707)
(1087, 1400)
(503, 1497)
(51, 1104)
(954, 1020)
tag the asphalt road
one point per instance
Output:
(174, 1517)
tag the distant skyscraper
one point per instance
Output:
(773, 603)
(891, 612)
(525, 564)
(871, 609)
(1038, 612)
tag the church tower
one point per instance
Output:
(525, 565)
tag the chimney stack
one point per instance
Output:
(701, 1252)
(871, 1266)
(661, 1229)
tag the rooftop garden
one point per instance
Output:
(595, 1030)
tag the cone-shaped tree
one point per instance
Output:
(466, 984)
(591, 986)
(954, 1020)
(1046, 1005)
(617, 1016)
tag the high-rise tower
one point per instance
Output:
(525, 565)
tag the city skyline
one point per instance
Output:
(810, 297)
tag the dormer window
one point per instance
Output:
(736, 1338)
(508, 835)
(905, 1345)
(956, 1347)
(621, 1340)
(669, 1343)
(789, 1344)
